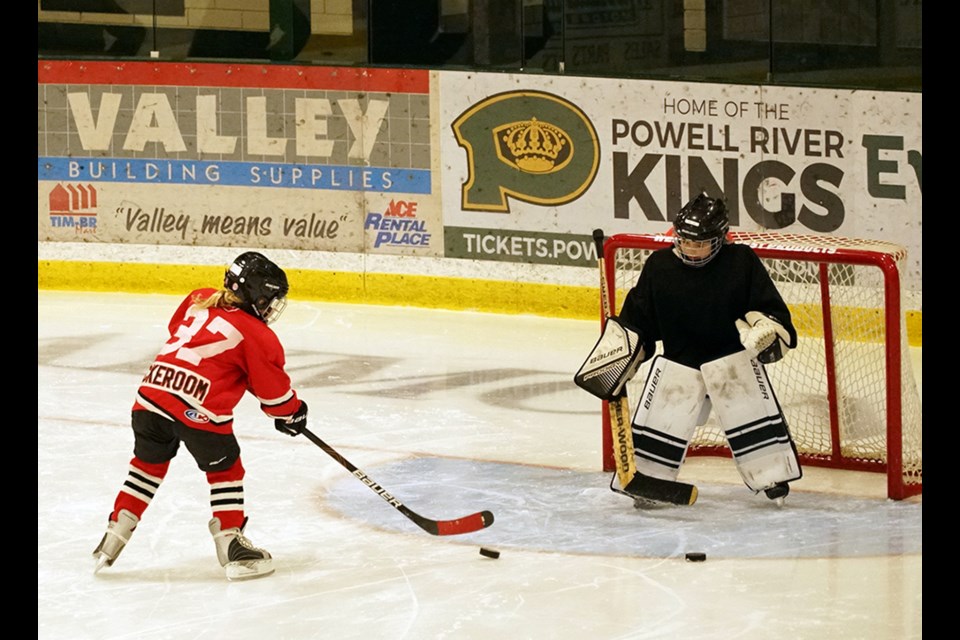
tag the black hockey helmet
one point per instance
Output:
(259, 283)
(702, 220)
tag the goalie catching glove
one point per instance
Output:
(763, 336)
(612, 362)
(293, 425)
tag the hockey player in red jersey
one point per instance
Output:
(220, 347)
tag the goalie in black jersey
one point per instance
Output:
(720, 319)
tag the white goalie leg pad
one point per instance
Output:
(752, 420)
(669, 410)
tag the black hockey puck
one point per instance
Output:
(695, 556)
(489, 553)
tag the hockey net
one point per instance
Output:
(848, 390)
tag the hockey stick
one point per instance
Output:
(466, 524)
(632, 482)
(619, 407)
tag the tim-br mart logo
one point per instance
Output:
(74, 206)
(530, 145)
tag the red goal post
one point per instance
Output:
(847, 390)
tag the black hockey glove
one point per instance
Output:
(293, 426)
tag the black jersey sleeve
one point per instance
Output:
(639, 311)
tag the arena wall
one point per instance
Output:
(456, 190)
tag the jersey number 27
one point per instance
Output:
(198, 319)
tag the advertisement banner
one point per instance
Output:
(311, 158)
(534, 163)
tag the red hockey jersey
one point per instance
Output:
(212, 357)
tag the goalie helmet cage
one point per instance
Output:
(847, 390)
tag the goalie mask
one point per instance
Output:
(700, 230)
(259, 283)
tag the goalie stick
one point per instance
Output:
(632, 482)
(466, 524)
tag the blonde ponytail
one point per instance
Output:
(222, 299)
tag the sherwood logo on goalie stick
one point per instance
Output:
(624, 450)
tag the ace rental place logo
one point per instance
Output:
(398, 226)
(529, 145)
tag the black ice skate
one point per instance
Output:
(778, 492)
(237, 555)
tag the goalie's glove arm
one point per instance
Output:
(765, 337)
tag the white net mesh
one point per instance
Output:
(833, 387)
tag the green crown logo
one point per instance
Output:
(533, 146)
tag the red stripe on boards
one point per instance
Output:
(185, 74)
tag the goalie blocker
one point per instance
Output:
(613, 361)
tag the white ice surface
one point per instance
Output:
(452, 412)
